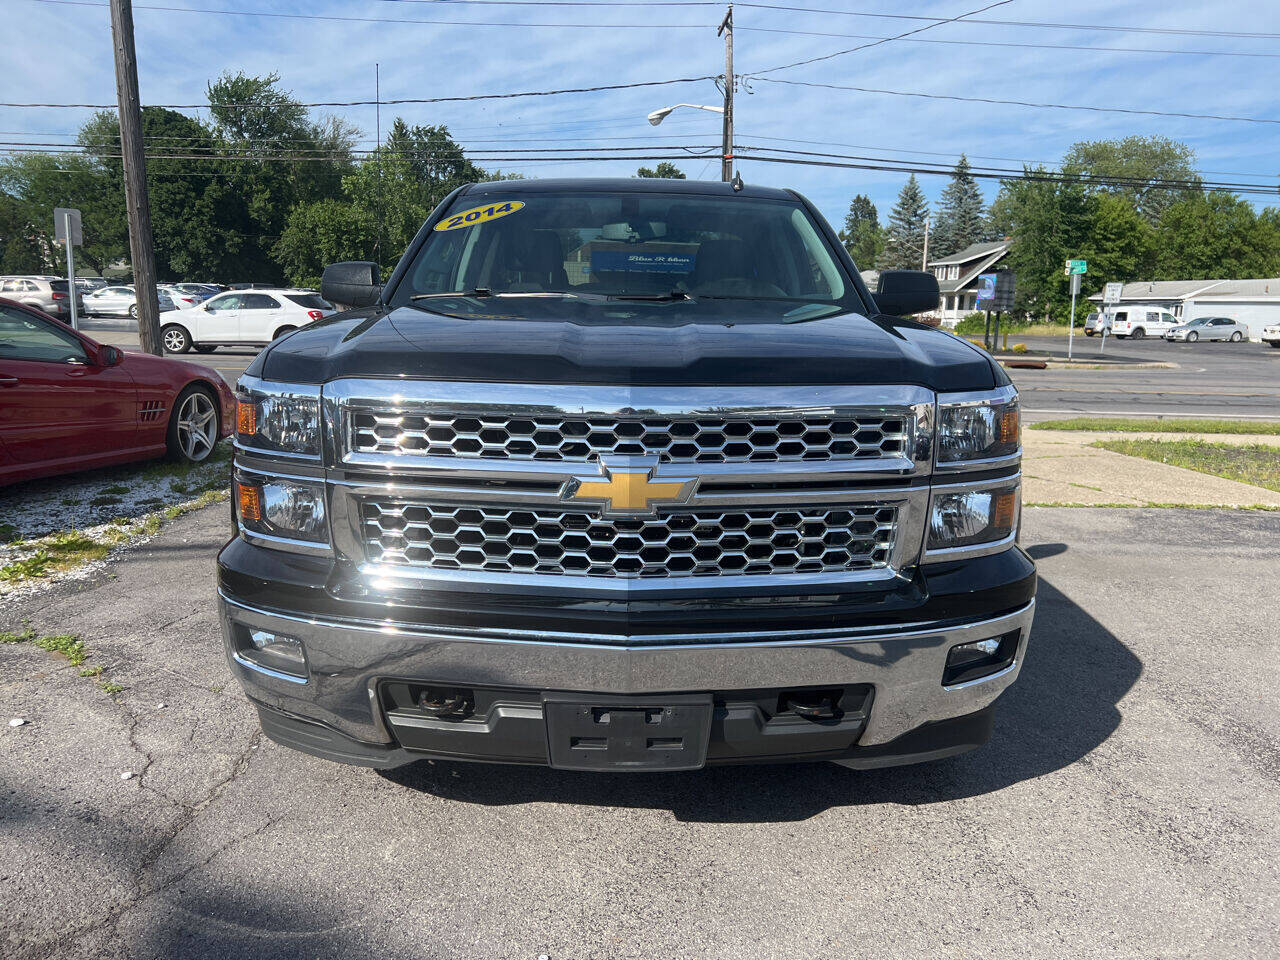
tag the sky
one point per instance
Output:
(64, 55)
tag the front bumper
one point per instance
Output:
(338, 710)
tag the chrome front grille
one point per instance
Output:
(679, 544)
(708, 440)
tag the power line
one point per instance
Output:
(1165, 31)
(1029, 46)
(317, 16)
(1021, 103)
(881, 40)
(370, 103)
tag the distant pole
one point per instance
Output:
(141, 251)
(377, 123)
(924, 256)
(1071, 329)
(726, 160)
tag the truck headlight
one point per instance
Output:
(278, 418)
(978, 426)
(975, 517)
(282, 512)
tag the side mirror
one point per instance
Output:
(904, 292)
(109, 356)
(356, 283)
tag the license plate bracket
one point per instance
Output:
(627, 733)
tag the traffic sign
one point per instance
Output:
(1077, 266)
(1112, 292)
(67, 219)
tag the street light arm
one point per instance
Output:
(658, 116)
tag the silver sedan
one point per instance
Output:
(1209, 328)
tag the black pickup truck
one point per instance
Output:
(626, 475)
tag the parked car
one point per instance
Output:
(626, 475)
(1209, 328)
(120, 301)
(1271, 335)
(200, 291)
(89, 284)
(44, 293)
(1097, 323)
(1141, 321)
(242, 318)
(181, 300)
(69, 403)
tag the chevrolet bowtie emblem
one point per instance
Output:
(628, 489)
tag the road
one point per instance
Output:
(1211, 379)
(1129, 804)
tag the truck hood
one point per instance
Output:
(845, 348)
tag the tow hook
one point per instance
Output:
(822, 707)
(435, 702)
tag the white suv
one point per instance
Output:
(241, 318)
(1142, 321)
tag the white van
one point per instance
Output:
(1140, 320)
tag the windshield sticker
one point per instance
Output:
(625, 260)
(478, 215)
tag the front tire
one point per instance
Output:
(1237, 337)
(1088, 333)
(133, 311)
(194, 425)
(175, 339)
(1192, 337)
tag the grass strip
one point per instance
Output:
(1256, 464)
(1140, 425)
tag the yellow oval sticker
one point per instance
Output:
(478, 215)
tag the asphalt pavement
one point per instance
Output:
(1128, 806)
(1234, 380)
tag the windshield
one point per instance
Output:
(609, 247)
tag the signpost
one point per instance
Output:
(995, 292)
(1075, 270)
(66, 227)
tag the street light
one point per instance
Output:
(658, 116)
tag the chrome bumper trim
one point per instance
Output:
(347, 659)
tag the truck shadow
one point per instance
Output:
(1064, 704)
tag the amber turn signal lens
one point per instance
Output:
(1009, 426)
(249, 497)
(1005, 507)
(246, 417)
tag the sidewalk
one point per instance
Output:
(1060, 467)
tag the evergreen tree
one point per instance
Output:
(862, 235)
(904, 239)
(960, 213)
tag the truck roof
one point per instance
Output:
(708, 188)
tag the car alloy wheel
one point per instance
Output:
(197, 426)
(1236, 337)
(133, 311)
(1192, 337)
(175, 340)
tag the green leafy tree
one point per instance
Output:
(904, 238)
(1141, 161)
(961, 218)
(862, 235)
(665, 169)
(20, 249)
(1216, 236)
(323, 232)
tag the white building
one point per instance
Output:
(1255, 303)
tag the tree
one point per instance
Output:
(862, 235)
(665, 169)
(904, 239)
(1216, 236)
(323, 232)
(960, 220)
(20, 251)
(1142, 160)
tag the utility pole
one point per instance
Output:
(141, 251)
(924, 256)
(726, 161)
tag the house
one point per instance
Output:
(1255, 303)
(958, 278)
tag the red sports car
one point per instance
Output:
(68, 403)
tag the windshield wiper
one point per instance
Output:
(656, 297)
(475, 292)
